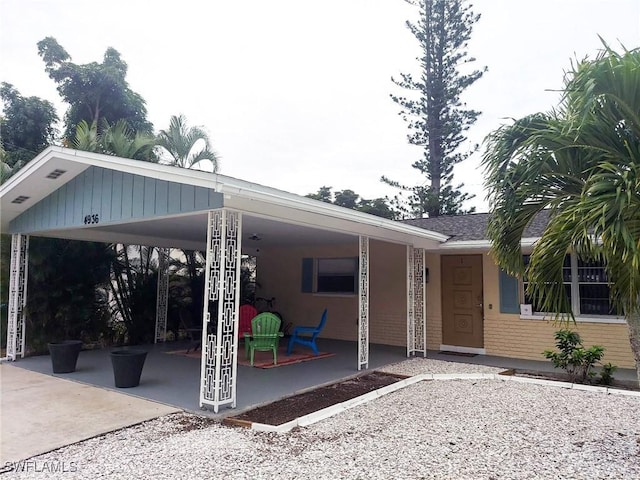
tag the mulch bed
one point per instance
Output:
(296, 406)
(563, 377)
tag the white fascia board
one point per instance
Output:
(482, 244)
(529, 241)
(232, 187)
(227, 185)
(466, 244)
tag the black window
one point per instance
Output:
(336, 275)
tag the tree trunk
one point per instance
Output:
(633, 322)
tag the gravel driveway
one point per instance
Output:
(459, 429)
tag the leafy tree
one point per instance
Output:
(94, 91)
(346, 199)
(64, 296)
(324, 194)
(581, 161)
(379, 207)
(5, 169)
(186, 145)
(26, 128)
(5, 270)
(436, 116)
(350, 199)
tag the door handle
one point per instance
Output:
(479, 305)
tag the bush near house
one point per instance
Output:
(577, 360)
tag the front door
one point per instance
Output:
(462, 314)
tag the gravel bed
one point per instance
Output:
(418, 365)
(461, 429)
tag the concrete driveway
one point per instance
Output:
(40, 412)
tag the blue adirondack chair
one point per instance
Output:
(307, 335)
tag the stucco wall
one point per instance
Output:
(279, 274)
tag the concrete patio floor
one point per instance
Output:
(175, 379)
(42, 411)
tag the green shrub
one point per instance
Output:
(606, 376)
(576, 360)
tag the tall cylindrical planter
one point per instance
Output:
(64, 355)
(127, 367)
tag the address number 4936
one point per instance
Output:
(90, 219)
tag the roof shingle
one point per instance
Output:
(473, 226)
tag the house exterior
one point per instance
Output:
(471, 305)
(508, 330)
(423, 284)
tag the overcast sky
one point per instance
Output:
(295, 93)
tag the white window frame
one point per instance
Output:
(575, 302)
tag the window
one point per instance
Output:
(566, 277)
(586, 284)
(593, 289)
(330, 275)
(336, 275)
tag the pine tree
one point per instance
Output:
(436, 116)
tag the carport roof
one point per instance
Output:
(60, 189)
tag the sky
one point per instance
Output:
(295, 94)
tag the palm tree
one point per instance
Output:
(134, 268)
(188, 146)
(117, 139)
(581, 162)
(5, 171)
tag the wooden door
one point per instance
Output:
(462, 312)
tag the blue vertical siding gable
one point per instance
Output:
(100, 195)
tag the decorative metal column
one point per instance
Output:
(162, 297)
(17, 296)
(416, 311)
(222, 294)
(363, 306)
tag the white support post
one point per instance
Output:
(16, 325)
(218, 372)
(419, 297)
(363, 305)
(410, 302)
(416, 305)
(162, 296)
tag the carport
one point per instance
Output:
(65, 193)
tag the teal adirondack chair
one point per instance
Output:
(265, 335)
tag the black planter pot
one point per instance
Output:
(64, 355)
(127, 367)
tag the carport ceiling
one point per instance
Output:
(193, 228)
(190, 232)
